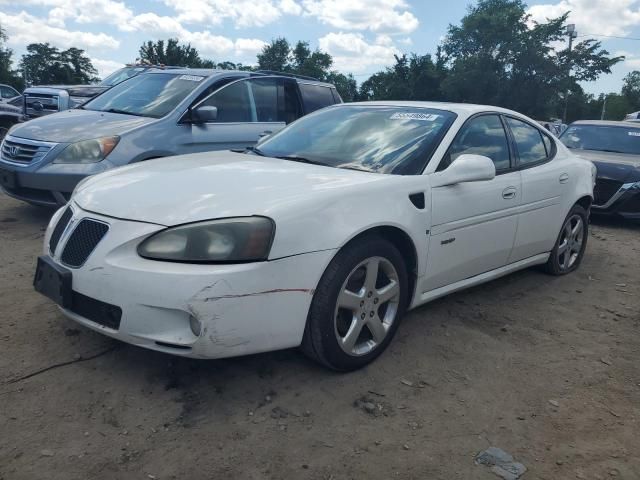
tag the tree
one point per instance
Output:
(499, 56)
(45, 64)
(275, 56)
(414, 77)
(172, 53)
(7, 74)
(631, 90)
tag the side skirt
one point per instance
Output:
(478, 279)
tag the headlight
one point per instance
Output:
(88, 151)
(229, 240)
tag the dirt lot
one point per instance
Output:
(545, 368)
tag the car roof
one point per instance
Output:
(607, 123)
(465, 109)
(203, 72)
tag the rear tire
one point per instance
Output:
(568, 251)
(357, 306)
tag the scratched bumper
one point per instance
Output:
(242, 309)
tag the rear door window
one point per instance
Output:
(316, 97)
(292, 108)
(531, 147)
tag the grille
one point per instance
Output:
(25, 152)
(83, 241)
(96, 311)
(604, 190)
(59, 228)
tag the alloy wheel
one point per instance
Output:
(570, 245)
(367, 306)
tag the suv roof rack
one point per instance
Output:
(286, 74)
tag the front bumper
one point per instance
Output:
(240, 309)
(625, 203)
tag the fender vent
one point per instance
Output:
(418, 200)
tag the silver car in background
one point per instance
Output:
(156, 114)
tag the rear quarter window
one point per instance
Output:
(316, 97)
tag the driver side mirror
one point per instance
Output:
(204, 114)
(465, 168)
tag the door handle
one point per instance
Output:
(509, 193)
(564, 178)
(265, 133)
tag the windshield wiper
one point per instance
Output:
(609, 150)
(125, 112)
(295, 158)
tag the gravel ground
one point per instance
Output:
(545, 368)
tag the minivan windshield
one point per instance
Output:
(604, 138)
(147, 95)
(381, 139)
(121, 75)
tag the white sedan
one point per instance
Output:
(322, 236)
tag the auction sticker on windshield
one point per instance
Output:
(426, 117)
(191, 78)
(634, 134)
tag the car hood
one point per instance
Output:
(620, 167)
(609, 157)
(75, 125)
(204, 186)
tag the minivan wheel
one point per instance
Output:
(571, 243)
(357, 306)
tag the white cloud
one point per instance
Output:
(244, 13)
(352, 53)
(23, 29)
(631, 60)
(105, 67)
(83, 11)
(606, 17)
(389, 16)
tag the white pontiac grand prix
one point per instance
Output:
(322, 236)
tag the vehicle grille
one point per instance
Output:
(604, 190)
(83, 241)
(39, 104)
(59, 229)
(95, 310)
(23, 151)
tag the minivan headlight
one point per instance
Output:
(228, 240)
(88, 151)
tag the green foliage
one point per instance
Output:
(172, 53)
(631, 90)
(416, 77)
(7, 74)
(499, 56)
(44, 64)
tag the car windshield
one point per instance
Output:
(395, 140)
(619, 139)
(146, 95)
(121, 75)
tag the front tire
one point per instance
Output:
(357, 306)
(568, 251)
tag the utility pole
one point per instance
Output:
(604, 107)
(571, 31)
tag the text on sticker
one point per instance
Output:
(426, 117)
(191, 78)
(634, 134)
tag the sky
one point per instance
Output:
(361, 35)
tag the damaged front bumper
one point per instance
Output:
(200, 311)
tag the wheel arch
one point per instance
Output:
(585, 202)
(400, 239)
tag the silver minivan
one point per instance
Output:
(156, 114)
